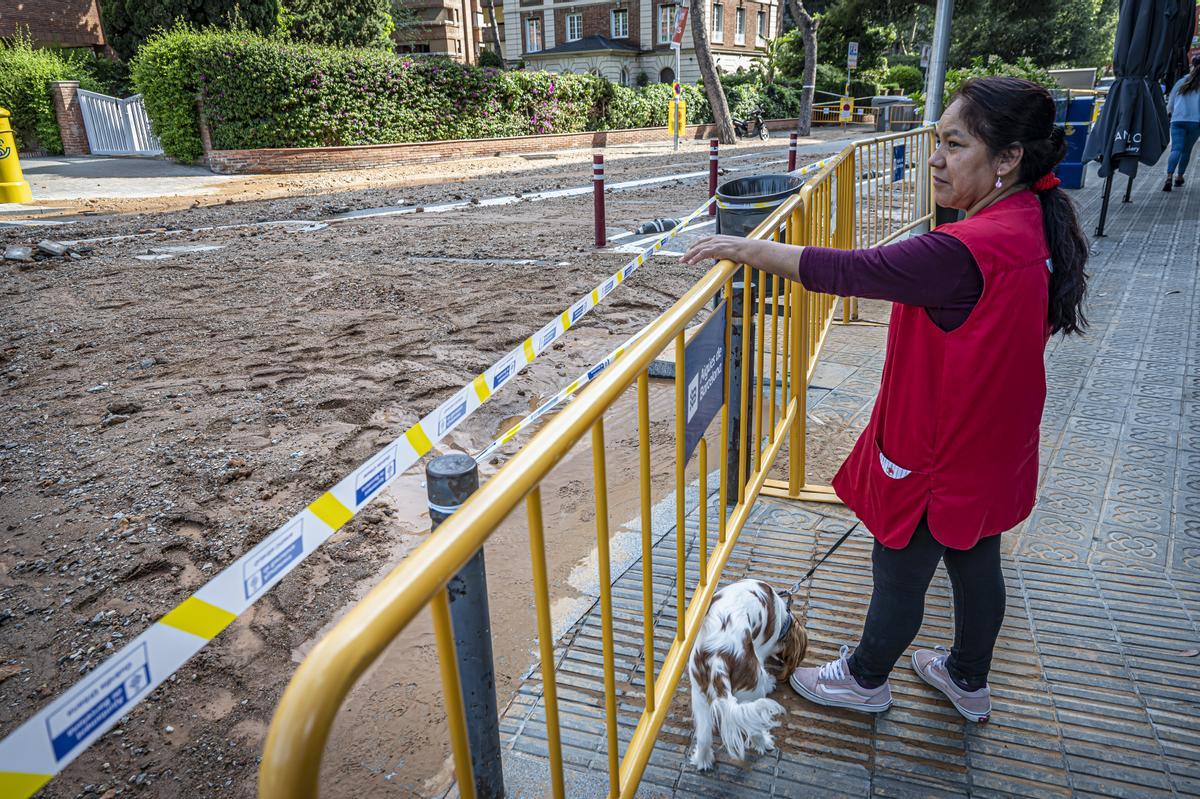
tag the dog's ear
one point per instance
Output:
(787, 598)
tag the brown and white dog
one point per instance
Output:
(748, 640)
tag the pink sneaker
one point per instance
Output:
(833, 685)
(930, 666)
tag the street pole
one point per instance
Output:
(450, 481)
(935, 84)
(935, 78)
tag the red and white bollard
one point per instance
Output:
(598, 198)
(792, 152)
(714, 154)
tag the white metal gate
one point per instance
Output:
(117, 127)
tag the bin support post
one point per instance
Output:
(598, 198)
(451, 479)
(741, 327)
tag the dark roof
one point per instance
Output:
(588, 44)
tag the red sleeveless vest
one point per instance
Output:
(955, 428)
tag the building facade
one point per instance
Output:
(456, 29)
(624, 39)
(54, 23)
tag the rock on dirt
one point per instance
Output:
(52, 247)
(15, 252)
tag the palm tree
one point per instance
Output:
(708, 71)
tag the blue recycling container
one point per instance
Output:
(1074, 113)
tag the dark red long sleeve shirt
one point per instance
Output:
(934, 270)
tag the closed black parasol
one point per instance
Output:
(1181, 42)
(1133, 127)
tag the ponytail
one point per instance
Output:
(1068, 255)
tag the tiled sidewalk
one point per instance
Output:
(1097, 673)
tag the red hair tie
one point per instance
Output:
(1046, 182)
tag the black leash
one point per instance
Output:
(796, 587)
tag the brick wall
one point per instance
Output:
(597, 21)
(65, 23)
(326, 159)
(729, 14)
(70, 117)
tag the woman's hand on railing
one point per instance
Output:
(720, 248)
(770, 256)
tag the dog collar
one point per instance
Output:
(787, 625)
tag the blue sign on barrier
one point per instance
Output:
(897, 163)
(704, 377)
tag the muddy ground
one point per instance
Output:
(171, 397)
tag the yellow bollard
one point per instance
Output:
(13, 186)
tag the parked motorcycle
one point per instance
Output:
(754, 126)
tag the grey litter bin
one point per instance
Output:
(769, 191)
(743, 204)
(894, 113)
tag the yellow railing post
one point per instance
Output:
(600, 488)
(541, 601)
(456, 715)
(799, 370)
(643, 400)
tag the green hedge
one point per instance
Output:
(262, 92)
(25, 76)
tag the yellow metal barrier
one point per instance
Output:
(844, 205)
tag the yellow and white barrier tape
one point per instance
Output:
(53, 737)
(804, 170)
(552, 403)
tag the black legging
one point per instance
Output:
(901, 578)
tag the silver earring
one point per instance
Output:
(999, 182)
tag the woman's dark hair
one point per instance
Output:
(1007, 111)
(1193, 80)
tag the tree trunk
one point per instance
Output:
(491, 7)
(708, 71)
(808, 30)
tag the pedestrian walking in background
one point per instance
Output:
(1183, 106)
(949, 459)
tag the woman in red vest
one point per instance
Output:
(949, 459)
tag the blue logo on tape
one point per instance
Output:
(578, 311)
(502, 374)
(598, 368)
(98, 701)
(273, 558)
(451, 417)
(373, 476)
(549, 336)
(609, 285)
